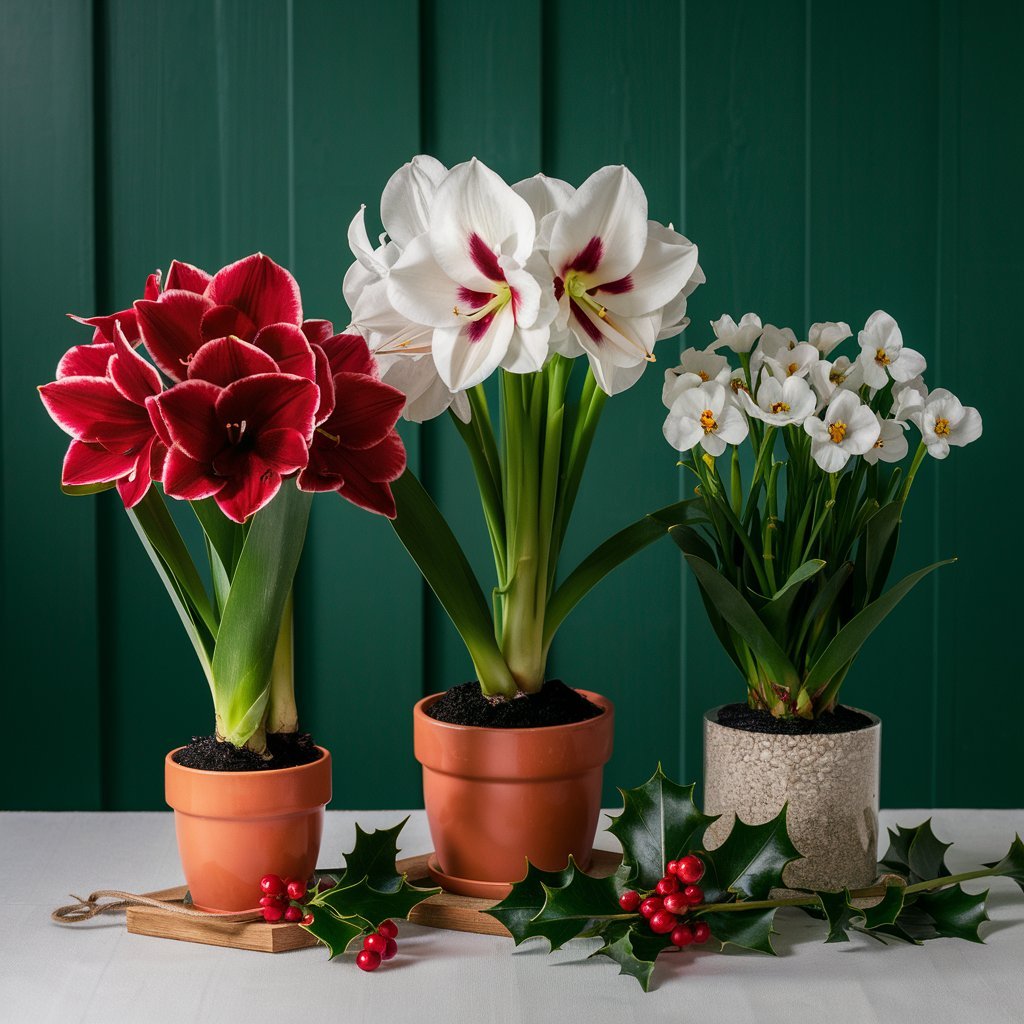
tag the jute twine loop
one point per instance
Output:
(86, 910)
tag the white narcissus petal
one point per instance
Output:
(667, 262)
(610, 206)
(475, 218)
(732, 424)
(407, 197)
(830, 457)
(706, 364)
(874, 374)
(740, 337)
(891, 445)
(676, 382)
(420, 290)
(682, 432)
(881, 331)
(908, 365)
(968, 429)
(545, 195)
(825, 336)
(464, 363)
(862, 431)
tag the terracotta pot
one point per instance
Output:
(829, 781)
(235, 827)
(495, 797)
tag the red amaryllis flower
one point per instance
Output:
(356, 451)
(241, 300)
(102, 397)
(103, 326)
(236, 443)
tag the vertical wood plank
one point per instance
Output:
(360, 597)
(48, 558)
(612, 95)
(872, 245)
(979, 493)
(745, 199)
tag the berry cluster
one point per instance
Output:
(673, 897)
(378, 946)
(282, 900)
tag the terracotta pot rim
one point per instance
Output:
(275, 773)
(711, 716)
(419, 711)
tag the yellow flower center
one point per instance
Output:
(778, 407)
(738, 385)
(942, 427)
(880, 357)
(792, 368)
(837, 431)
(703, 376)
(837, 377)
(708, 421)
(879, 443)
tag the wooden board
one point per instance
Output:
(445, 910)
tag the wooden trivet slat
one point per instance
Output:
(446, 910)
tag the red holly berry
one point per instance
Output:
(376, 942)
(690, 869)
(629, 900)
(272, 885)
(272, 914)
(293, 914)
(272, 901)
(367, 960)
(663, 922)
(650, 906)
(666, 885)
(701, 932)
(675, 903)
(296, 889)
(694, 895)
(390, 950)
(307, 920)
(671, 867)
(388, 929)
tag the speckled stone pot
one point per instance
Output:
(830, 781)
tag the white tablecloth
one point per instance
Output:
(97, 972)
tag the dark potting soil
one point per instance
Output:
(842, 719)
(287, 750)
(555, 704)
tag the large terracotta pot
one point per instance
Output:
(235, 827)
(829, 782)
(495, 797)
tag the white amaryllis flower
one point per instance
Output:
(474, 277)
(706, 415)
(848, 428)
(944, 421)
(839, 375)
(883, 354)
(616, 273)
(891, 444)
(825, 336)
(780, 402)
(740, 337)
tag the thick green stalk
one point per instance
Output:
(282, 714)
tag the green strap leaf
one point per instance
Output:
(881, 536)
(251, 621)
(776, 612)
(519, 909)
(611, 554)
(77, 490)
(659, 822)
(734, 608)
(849, 640)
(750, 862)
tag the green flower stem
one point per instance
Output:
(922, 450)
(282, 714)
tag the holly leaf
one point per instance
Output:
(659, 822)
(886, 911)
(518, 910)
(750, 862)
(748, 929)
(361, 900)
(634, 949)
(915, 853)
(373, 858)
(838, 913)
(948, 913)
(573, 905)
(1012, 865)
(335, 932)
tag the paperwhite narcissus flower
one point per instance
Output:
(908, 396)
(706, 364)
(841, 375)
(780, 402)
(773, 343)
(883, 354)
(944, 421)
(474, 277)
(676, 382)
(705, 415)
(615, 274)
(848, 428)
(740, 337)
(824, 337)
(891, 444)
(797, 361)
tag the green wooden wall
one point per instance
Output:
(828, 159)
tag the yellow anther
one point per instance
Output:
(837, 431)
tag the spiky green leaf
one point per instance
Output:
(750, 862)
(1012, 865)
(634, 949)
(335, 932)
(915, 853)
(748, 929)
(518, 911)
(373, 858)
(361, 900)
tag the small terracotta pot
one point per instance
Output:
(828, 780)
(235, 827)
(495, 797)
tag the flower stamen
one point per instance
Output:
(881, 357)
(942, 427)
(708, 422)
(778, 407)
(837, 431)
